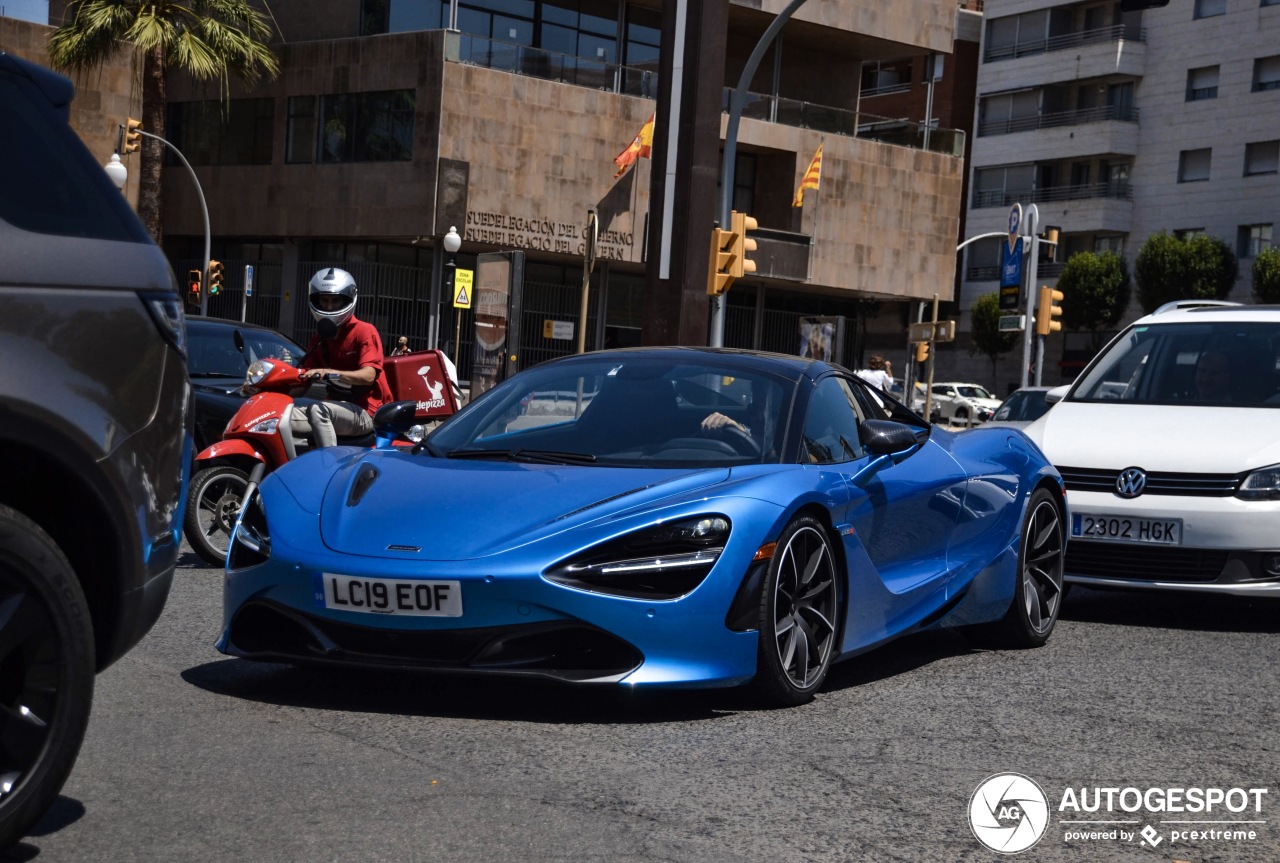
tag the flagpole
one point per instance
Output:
(813, 235)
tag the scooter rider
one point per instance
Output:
(349, 348)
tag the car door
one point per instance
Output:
(893, 523)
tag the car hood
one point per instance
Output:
(1178, 439)
(459, 510)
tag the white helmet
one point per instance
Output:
(328, 283)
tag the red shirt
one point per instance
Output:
(356, 346)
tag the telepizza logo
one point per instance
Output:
(1008, 813)
(436, 390)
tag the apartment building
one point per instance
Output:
(1117, 125)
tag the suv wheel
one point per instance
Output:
(46, 672)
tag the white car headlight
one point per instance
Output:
(1263, 484)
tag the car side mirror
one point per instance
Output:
(395, 418)
(1057, 394)
(886, 437)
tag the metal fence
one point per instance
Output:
(262, 308)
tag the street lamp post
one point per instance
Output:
(119, 174)
(453, 242)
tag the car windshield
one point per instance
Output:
(1023, 406)
(1197, 363)
(212, 350)
(629, 411)
(973, 391)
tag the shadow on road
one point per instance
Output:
(1196, 612)
(418, 693)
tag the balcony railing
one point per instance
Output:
(632, 81)
(1044, 270)
(1060, 118)
(1118, 189)
(1027, 47)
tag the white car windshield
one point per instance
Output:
(1200, 363)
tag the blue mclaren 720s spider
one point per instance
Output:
(650, 517)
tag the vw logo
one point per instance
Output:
(1131, 482)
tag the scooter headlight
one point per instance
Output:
(266, 426)
(258, 370)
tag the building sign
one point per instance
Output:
(544, 235)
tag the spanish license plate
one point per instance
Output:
(1158, 531)
(413, 598)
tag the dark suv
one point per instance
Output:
(94, 436)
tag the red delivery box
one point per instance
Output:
(422, 377)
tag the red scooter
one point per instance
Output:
(260, 433)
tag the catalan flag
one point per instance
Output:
(640, 148)
(812, 177)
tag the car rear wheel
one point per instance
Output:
(798, 613)
(46, 672)
(1037, 598)
(212, 505)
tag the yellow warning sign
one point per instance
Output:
(462, 282)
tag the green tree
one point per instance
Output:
(1168, 268)
(984, 330)
(1095, 292)
(1266, 276)
(206, 39)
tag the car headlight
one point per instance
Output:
(251, 538)
(1263, 484)
(664, 561)
(257, 370)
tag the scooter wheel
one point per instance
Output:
(212, 506)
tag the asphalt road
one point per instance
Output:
(191, 756)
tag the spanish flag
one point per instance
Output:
(812, 177)
(640, 148)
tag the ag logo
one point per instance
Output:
(1008, 813)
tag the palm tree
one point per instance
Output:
(206, 39)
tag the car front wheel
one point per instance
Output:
(46, 672)
(798, 613)
(1038, 595)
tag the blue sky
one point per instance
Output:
(27, 10)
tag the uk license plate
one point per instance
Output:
(1157, 531)
(414, 598)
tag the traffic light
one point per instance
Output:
(132, 138)
(1047, 310)
(215, 277)
(1050, 238)
(193, 282)
(741, 223)
(720, 273)
(922, 351)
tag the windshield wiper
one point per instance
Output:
(536, 455)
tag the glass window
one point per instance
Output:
(1261, 157)
(366, 127)
(1193, 363)
(1252, 239)
(831, 425)
(1193, 165)
(300, 146)
(1266, 74)
(1210, 8)
(1202, 83)
(238, 132)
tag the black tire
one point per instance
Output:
(46, 672)
(961, 415)
(213, 502)
(1037, 598)
(799, 604)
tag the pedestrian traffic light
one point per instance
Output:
(1047, 310)
(132, 138)
(215, 277)
(741, 223)
(193, 283)
(922, 351)
(720, 272)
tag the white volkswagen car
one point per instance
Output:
(1170, 446)
(962, 403)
